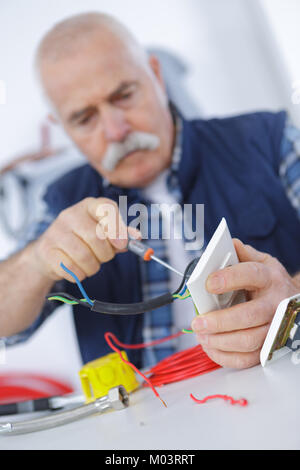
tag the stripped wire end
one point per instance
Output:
(63, 300)
(67, 299)
(163, 402)
(184, 295)
(80, 286)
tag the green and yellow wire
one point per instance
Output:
(66, 301)
(186, 295)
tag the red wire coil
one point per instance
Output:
(179, 366)
(182, 365)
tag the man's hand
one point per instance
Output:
(82, 237)
(233, 337)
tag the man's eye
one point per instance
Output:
(124, 97)
(84, 121)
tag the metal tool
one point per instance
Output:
(143, 251)
(117, 399)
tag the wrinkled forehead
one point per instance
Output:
(92, 72)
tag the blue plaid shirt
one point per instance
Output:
(290, 176)
(290, 164)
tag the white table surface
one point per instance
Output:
(270, 421)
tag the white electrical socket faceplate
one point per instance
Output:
(272, 333)
(219, 253)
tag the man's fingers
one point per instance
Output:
(233, 360)
(248, 275)
(80, 253)
(88, 232)
(250, 314)
(248, 340)
(58, 257)
(134, 233)
(110, 223)
(248, 253)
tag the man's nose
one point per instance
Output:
(115, 126)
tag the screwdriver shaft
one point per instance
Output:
(147, 253)
(166, 265)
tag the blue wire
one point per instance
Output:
(184, 290)
(78, 284)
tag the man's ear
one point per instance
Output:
(156, 69)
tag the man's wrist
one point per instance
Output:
(29, 257)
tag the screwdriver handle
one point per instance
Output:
(140, 249)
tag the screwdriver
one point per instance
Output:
(143, 251)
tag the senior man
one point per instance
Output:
(111, 100)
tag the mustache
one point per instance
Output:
(133, 142)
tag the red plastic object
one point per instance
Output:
(232, 401)
(15, 387)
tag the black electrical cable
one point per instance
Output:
(188, 271)
(109, 308)
(134, 308)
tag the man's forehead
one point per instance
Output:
(85, 79)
